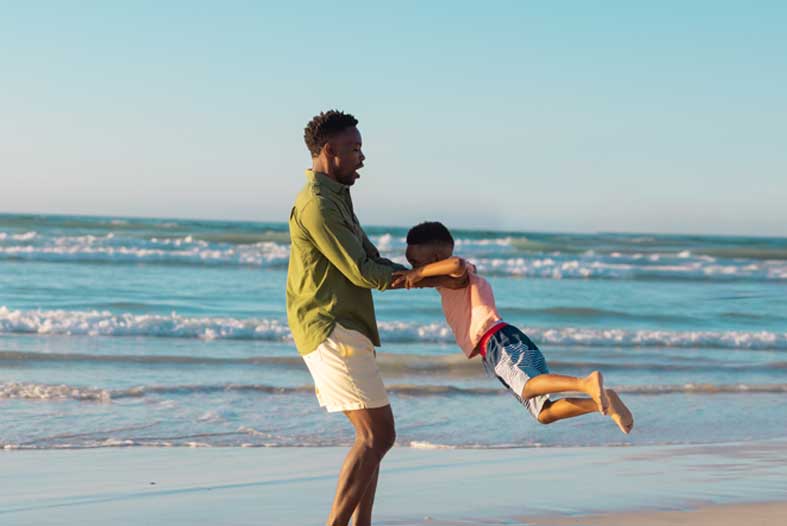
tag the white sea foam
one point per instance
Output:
(651, 338)
(610, 337)
(417, 444)
(27, 236)
(491, 255)
(105, 323)
(47, 392)
(34, 391)
(30, 391)
(110, 249)
(389, 241)
(560, 267)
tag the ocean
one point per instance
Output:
(123, 332)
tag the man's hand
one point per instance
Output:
(406, 278)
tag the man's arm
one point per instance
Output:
(335, 239)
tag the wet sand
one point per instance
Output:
(596, 485)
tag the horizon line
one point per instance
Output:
(377, 225)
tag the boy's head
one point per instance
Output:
(428, 242)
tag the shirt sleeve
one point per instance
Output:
(335, 239)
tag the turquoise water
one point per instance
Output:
(123, 332)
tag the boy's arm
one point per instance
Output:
(447, 282)
(454, 267)
(437, 281)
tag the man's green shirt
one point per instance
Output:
(333, 266)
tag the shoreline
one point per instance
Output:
(545, 486)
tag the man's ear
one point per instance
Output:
(329, 150)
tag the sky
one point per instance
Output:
(533, 116)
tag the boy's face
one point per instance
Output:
(420, 255)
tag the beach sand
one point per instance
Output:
(742, 483)
(762, 514)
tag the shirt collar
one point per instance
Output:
(323, 181)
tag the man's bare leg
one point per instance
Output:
(374, 436)
(592, 385)
(363, 512)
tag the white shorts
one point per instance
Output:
(345, 372)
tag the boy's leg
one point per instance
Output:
(592, 385)
(570, 407)
(563, 408)
(619, 412)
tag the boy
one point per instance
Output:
(506, 351)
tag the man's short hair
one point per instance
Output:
(429, 232)
(325, 126)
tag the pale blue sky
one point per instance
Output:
(573, 116)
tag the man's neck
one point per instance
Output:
(320, 166)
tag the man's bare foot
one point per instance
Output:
(594, 387)
(619, 412)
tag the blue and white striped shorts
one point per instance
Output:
(514, 359)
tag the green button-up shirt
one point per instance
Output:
(333, 266)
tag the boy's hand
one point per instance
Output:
(406, 278)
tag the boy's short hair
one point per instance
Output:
(429, 232)
(324, 126)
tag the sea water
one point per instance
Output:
(120, 332)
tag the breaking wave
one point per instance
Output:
(34, 391)
(173, 325)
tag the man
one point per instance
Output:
(332, 268)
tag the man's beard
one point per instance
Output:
(347, 180)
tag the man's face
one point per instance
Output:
(344, 152)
